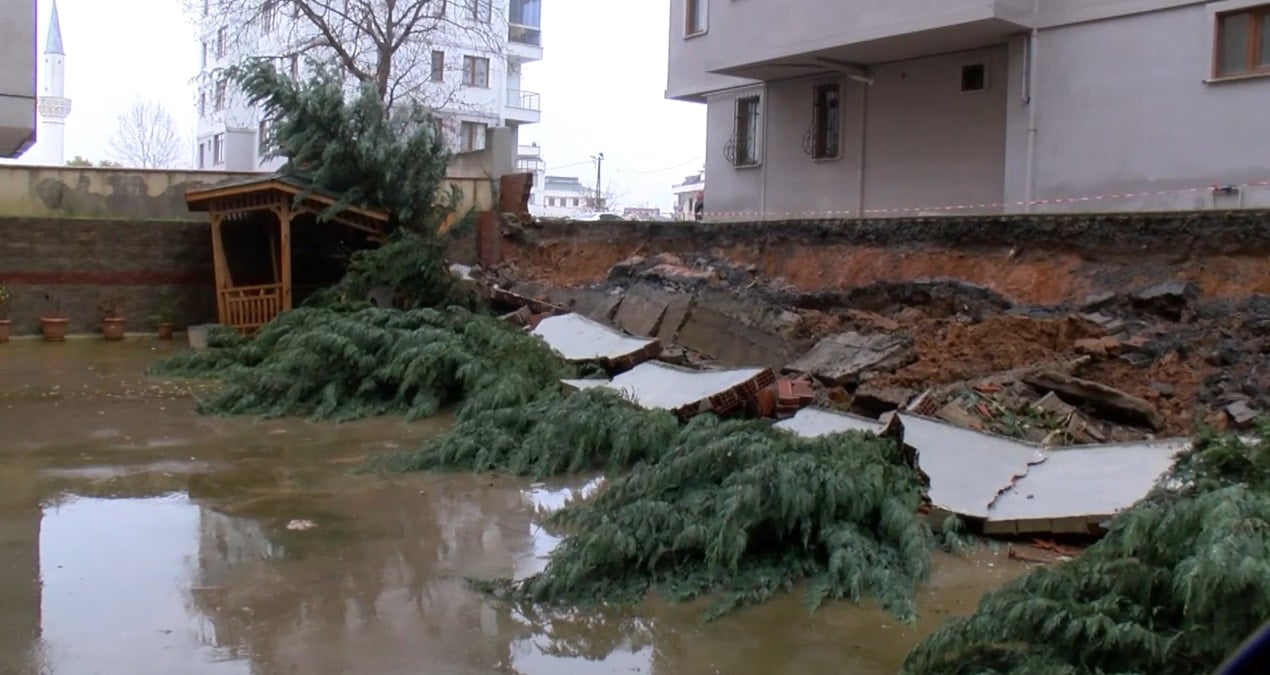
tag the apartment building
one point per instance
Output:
(466, 65)
(841, 108)
(17, 77)
(564, 197)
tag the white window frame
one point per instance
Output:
(437, 73)
(472, 136)
(987, 77)
(469, 74)
(218, 149)
(480, 11)
(705, 17)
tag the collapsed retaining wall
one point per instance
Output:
(1038, 260)
(78, 263)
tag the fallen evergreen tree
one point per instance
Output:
(553, 435)
(345, 364)
(733, 508)
(1178, 583)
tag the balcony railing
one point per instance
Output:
(524, 100)
(525, 35)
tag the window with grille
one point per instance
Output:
(746, 132)
(1243, 42)
(438, 66)
(826, 121)
(475, 71)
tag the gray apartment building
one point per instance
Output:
(17, 76)
(875, 108)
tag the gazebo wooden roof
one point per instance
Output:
(246, 308)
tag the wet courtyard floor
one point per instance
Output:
(138, 538)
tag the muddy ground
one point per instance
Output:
(138, 538)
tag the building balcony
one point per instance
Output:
(522, 107)
(17, 77)
(760, 41)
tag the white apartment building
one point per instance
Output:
(563, 197)
(466, 65)
(688, 194)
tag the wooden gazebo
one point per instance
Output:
(258, 215)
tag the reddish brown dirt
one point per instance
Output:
(1035, 277)
(1184, 375)
(950, 351)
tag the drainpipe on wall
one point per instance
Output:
(862, 137)
(1029, 96)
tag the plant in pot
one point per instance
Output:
(112, 319)
(165, 315)
(53, 323)
(4, 314)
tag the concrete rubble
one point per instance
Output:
(1012, 487)
(581, 340)
(684, 391)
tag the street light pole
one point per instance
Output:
(599, 163)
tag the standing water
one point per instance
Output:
(137, 538)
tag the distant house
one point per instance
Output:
(843, 108)
(641, 213)
(563, 197)
(688, 195)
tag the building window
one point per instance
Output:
(480, 10)
(826, 121)
(472, 137)
(202, 102)
(1243, 42)
(218, 149)
(269, 15)
(695, 14)
(440, 8)
(219, 103)
(745, 134)
(974, 77)
(203, 60)
(475, 71)
(438, 66)
(202, 155)
(220, 43)
(206, 6)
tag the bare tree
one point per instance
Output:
(147, 137)
(387, 44)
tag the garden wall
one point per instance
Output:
(95, 192)
(77, 263)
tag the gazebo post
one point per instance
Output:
(284, 243)
(220, 269)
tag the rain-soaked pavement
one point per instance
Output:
(139, 538)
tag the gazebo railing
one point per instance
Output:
(246, 308)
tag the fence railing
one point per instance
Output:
(524, 100)
(250, 307)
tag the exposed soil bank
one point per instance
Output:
(1173, 309)
(1041, 260)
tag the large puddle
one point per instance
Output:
(139, 538)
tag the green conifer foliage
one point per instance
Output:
(733, 508)
(1178, 583)
(329, 364)
(353, 147)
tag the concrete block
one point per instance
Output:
(642, 309)
(840, 359)
(676, 312)
(730, 341)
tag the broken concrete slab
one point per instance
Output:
(661, 386)
(967, 468)
(839, 360)
(1076, 488)
(1169, 299)
(1241, 414)
(642, 309)
(677, 308)
(1011, 486)
(817, 422)
(874, 400)
(956, 415)
(1112, 402)
(730, 341)
(1051, 403)
(579, 339)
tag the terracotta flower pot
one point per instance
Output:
(4, 331)
(112, 328)
(54, 328)
(165, 331)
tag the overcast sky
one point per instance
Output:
(602, 81)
